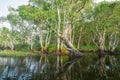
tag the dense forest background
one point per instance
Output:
(85, 24)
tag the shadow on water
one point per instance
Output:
(46, 68)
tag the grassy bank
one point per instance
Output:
(23, 51)
(16, 53)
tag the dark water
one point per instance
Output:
(18, 68)
(44, 68)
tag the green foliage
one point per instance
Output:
(5, 37)
(118, 48)
(37, 46)
(13, 19)
(31, 13)
(22, 47)
(52, 48)
(87, 21)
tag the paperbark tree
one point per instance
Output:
(105, 31)
(39, 16)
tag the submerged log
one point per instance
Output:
(102, 53)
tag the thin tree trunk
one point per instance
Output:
(58, 29)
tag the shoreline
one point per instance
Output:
(9, 53)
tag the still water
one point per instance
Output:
(39, 68)
(18, 68)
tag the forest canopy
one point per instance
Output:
(84, 23)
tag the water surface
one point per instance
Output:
(43, 68)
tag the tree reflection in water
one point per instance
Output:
(45, 68)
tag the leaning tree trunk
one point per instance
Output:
(73, 52)
(74, 56)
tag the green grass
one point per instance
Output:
(83, 47)
(52, 48)
(118, 48)
(15, 53)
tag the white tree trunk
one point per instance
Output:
(58, 29)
